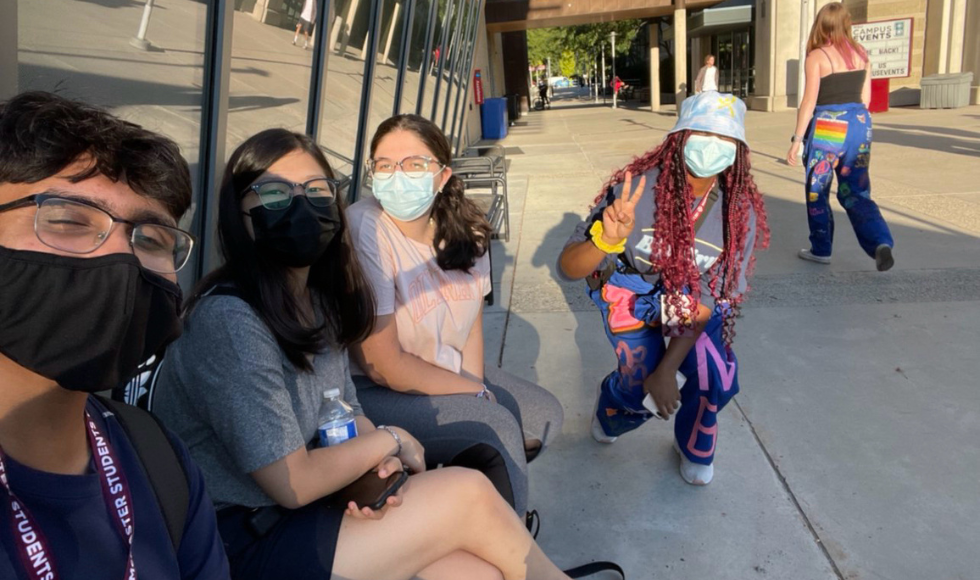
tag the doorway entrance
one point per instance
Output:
(736, 54)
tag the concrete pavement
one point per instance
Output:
(850, 452)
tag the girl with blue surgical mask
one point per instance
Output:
(424, 248)
(669, 289)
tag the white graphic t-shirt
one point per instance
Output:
(434, 309)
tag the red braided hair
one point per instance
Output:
(672, 250)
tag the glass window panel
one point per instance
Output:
(462, 68)
(343, 81)
(443, 30)
(87, 51)
(451, 85)
(386, 66)
(416, 54)
(271, 61)
(452, 53)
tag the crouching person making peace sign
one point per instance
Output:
(669, 290)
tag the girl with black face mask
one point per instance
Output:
(266, 335)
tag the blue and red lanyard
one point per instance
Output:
(34, 548)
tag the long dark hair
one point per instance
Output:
(336, 281)
(462, 231)
(673, 236)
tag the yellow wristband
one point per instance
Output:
(596, 233)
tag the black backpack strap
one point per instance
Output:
(160, 462)
(593, 568)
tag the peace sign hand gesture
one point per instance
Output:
(618, 219)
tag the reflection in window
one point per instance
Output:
(461, 71)
(416, 56)
(439, 45)
(344, 77)
(386, 67)
(444, 86)
(83, 50)
(270, 72)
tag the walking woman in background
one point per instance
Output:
(681, 274)
(834, 126)
(707, 77)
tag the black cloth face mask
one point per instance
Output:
(85, 323)
(298, 235)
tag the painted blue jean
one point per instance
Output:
(838, 141)
(630, 307)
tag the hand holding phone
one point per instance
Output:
(650, 405)
(371, 491)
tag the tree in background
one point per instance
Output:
(567, 63)
(588, 37)
(542, 44)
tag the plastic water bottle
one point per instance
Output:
(339, 426)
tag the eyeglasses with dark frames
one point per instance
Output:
(276, 194)
(80, 227)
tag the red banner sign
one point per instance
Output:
(477, 87)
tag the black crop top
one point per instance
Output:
(839, 88)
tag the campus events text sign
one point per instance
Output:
(889, 46)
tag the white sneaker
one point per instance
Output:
(694, 473)
(806, 254)
(597, 433)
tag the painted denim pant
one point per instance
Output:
(629, 305)
(838, 140)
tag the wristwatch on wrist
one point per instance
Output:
(394, 434)
(795, 138)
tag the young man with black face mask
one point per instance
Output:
(89, 250)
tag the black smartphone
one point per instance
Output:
(371, 491)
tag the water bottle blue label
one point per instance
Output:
(335, 434)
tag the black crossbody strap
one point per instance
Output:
(160, 462)
(587, 569)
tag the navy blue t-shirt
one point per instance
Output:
(72, 513)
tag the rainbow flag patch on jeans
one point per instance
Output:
(829, 134)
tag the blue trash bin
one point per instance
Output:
(494, 113)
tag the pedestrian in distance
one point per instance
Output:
(833, 126)
(305, 24)
(670, 287)
(707, 79)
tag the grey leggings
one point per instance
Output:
(448, 425)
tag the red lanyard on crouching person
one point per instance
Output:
(33, 547)
(699, 207)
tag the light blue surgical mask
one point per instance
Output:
(707, 156)
(405, 198)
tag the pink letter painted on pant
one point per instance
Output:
(726, 370)
(699, 428)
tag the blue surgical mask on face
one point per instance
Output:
(706, 156)
(405, 198)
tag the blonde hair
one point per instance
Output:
(707, 57)
(832, 27)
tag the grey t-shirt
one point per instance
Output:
(708, 237)
(228, 390)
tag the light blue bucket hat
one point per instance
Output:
(713, 112)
